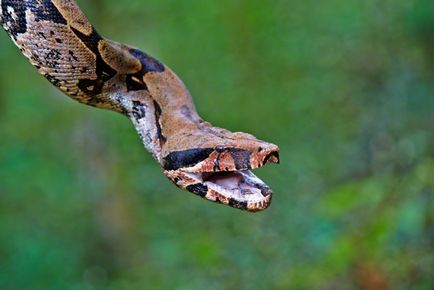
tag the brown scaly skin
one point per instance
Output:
(208, 161)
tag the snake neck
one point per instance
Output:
(160, 112)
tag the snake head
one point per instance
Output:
(222, 173)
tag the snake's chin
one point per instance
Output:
(230, 184)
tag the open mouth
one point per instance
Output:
(224, 176)
(239, 189)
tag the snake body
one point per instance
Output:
(208, 161)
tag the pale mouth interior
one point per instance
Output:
(239, 185)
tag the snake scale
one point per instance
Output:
(208, 161)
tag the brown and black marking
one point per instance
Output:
(135, 82)
(104, 72)
(158, 112)
(198, 189)
(208, 161)
(187, 158)
(13, 24)
(44, 10)
(139, 110)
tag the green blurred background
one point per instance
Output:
(345, 88)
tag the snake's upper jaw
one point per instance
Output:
(223, 174)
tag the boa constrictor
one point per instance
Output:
(210, 162)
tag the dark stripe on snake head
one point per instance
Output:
(187, 158)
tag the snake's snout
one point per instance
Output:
(220, 158)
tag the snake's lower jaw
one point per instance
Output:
(224, 175)
(238, 189)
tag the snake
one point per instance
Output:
(211, 162)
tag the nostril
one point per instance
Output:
(273, 157)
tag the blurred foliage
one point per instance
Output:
(344, 87)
